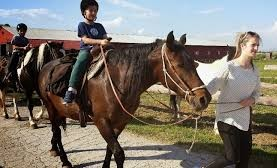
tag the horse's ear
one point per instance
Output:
(183, 39)
(170, 40)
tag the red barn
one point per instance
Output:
(37, 36)
(203, 51)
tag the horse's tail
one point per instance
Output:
(63, 124)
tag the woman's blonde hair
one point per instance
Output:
(243, 38)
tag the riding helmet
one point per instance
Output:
(86, 3)
(21, 26)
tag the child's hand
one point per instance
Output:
(104, 42)
(27, 47)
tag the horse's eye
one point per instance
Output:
(180, 65)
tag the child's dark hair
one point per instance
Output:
(86, 3)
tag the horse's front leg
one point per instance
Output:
(110, 137)
(3, 104)
(109, 153)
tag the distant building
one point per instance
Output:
(206, 52)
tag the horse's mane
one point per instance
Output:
(36, 57)
(135, 59)
(132, 53)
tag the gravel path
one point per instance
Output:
(23, 147)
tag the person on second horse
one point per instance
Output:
(20, 47)
(91, 34)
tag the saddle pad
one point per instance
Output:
(96, 65)
(59, 78)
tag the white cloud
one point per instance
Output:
(210, 11)
(274, 27)
(113, 23)
(134, 7)
(29, 13)
(140, 31)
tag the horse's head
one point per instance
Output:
(180, 75)
(49, 51)
(56, 49)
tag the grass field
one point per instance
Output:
(264, 129)
(267, 75)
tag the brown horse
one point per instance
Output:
(133, 70)
(28, 75)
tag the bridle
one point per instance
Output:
(187, 90)
(53, 53)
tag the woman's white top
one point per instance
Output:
(235, 84)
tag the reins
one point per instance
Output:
(188, 91)
(120, 103)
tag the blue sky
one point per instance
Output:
(213, 20)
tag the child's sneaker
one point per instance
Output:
(69, 97)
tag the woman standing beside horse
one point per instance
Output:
(239, 84)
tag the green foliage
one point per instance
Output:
(264, 128)
(260, 56)
(274, 55)
(267, 75)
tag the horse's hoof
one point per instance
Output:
(67, 165)
(34, 126)
(36, 119)
(6, 116)
(106, 165)
(18, 118)
(54, 153)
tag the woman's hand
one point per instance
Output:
(247, 102)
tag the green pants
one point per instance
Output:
(79, 69)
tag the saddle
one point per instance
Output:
(60, 75)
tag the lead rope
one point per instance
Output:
(194, 136)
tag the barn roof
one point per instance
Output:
(53, 34)
(38, 33)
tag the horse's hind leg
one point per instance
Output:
(178, 105)
(173, 105)
(16, 112)
(114, 147)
